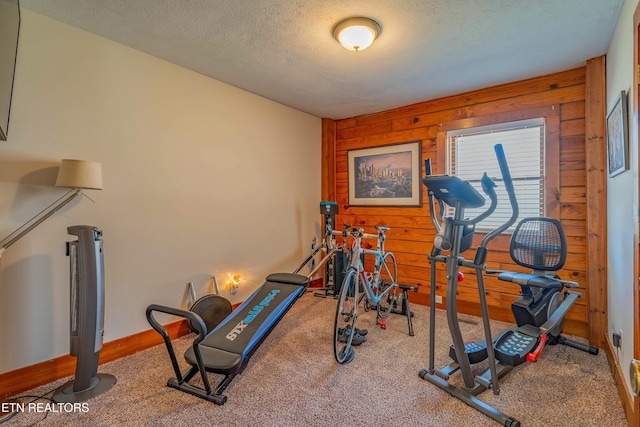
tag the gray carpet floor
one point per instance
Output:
(293, 380)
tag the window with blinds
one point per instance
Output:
(471, 153)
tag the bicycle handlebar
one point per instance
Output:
(359, 232)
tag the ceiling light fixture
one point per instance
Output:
(356, 34)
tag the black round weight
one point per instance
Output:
(213, 309)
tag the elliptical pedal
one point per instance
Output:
(512, 347)
(476, 351)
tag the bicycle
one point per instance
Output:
(380, 290)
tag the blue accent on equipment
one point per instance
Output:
(226, 350)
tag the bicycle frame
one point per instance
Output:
(372, 281)
(376, 290)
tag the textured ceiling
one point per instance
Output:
(283, 49)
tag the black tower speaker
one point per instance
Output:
(87, 316)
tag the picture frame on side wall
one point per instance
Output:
(618, 136)
(385, 176)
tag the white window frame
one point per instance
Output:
(527, 166)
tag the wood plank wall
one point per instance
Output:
(560, 98)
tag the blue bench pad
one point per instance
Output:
(225, 349)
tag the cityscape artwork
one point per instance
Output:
(385, 176)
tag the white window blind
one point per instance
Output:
(471, 153)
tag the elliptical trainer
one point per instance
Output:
(539, 313)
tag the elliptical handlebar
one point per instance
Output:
(511, 192)
(461, 194)
(488, 186)
(436, 219)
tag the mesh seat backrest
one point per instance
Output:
(539, 243)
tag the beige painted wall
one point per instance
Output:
(621, 195)
(200, 178)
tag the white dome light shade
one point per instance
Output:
(356, 34)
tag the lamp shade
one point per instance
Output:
(356, 34)
(80, 174)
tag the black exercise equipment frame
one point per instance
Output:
(453, 236)
(540, 237)
(202, 364)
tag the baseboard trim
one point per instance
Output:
(14, 382)
(626, 397)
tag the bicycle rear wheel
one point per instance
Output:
(346, 316)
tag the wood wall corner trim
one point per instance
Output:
(328, 162)
(596, 193)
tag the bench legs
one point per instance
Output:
(216, 396)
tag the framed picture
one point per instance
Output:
(618, 136)
(385, 176)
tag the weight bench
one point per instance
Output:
(226, 350)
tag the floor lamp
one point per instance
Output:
(74, 174)
(87, 283)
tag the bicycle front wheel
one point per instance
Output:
(346, 316)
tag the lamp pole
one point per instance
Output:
(39, 218)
